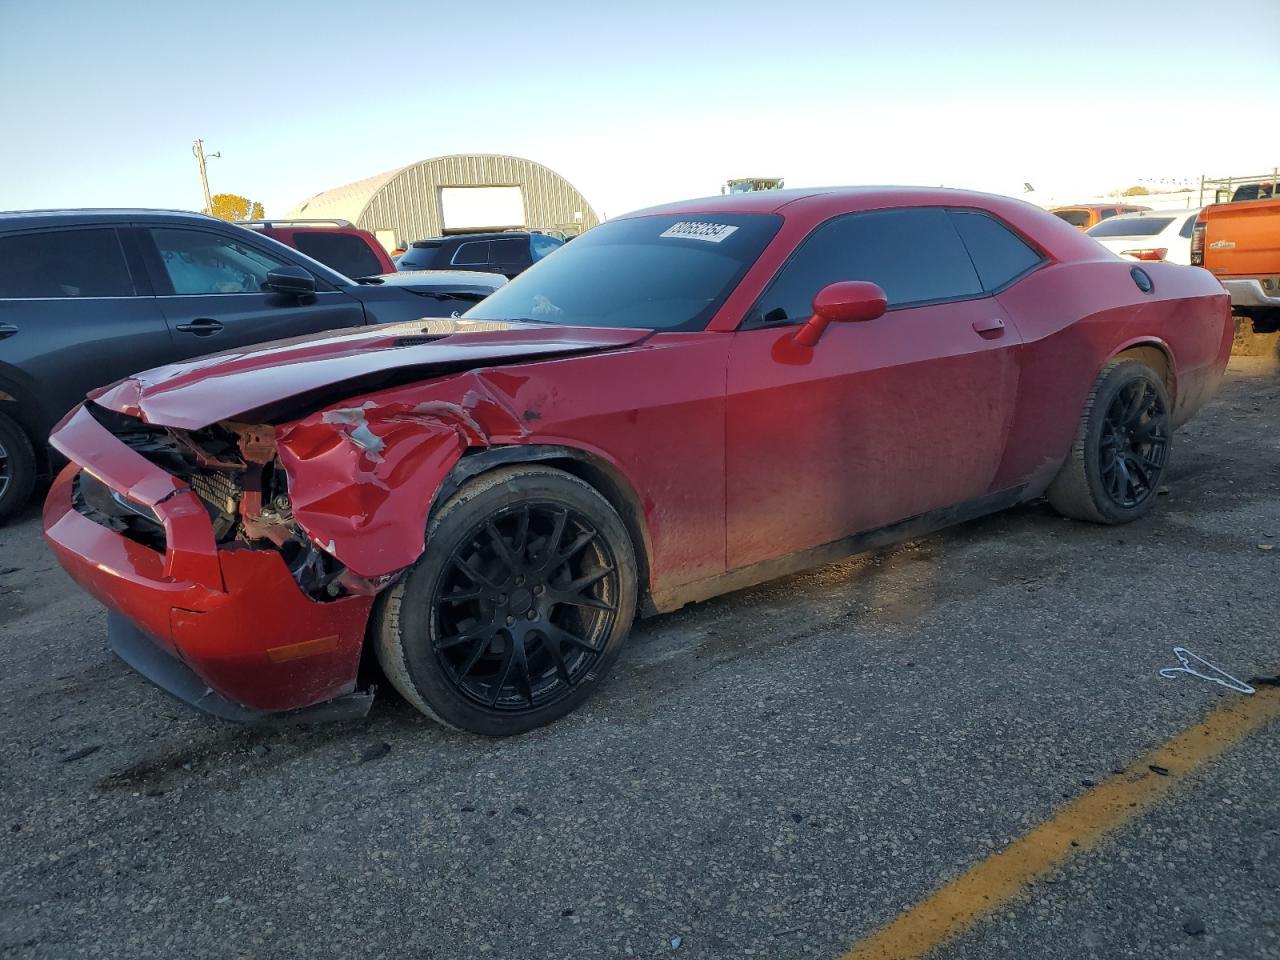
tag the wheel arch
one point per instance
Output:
(603, 476)
(1156, 354)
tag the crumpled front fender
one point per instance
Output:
(363, 476)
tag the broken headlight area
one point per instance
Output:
(233, 469)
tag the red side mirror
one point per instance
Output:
(851, 301)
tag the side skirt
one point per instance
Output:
(666, 600)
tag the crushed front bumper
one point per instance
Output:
(226, 629)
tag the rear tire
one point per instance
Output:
(517, 609)
(1121, 450)
(17, 468)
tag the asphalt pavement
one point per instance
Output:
(774, 773)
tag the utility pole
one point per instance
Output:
(198, 149)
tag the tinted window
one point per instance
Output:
(420, 256)
(543, 245)
(1130, 227)
(998, 253)
(656, 272)
(64, 263)
(1188, 226)
(201, 263)
(1077, 218)
(509, 251)
(474, 254)
(344, 252)
(914, 255)
(1109, 212)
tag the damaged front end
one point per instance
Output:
(235, 472)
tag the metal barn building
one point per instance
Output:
(455, 194)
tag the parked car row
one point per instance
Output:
(90, 296)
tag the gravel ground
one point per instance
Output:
(774, 773)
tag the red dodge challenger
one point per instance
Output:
(683, 401)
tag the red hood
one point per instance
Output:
(221, 386)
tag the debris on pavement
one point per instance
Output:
(375, 752)
(675, 942)
(82, 753)
(1162, 771)
(1193, 927)
(1215, 674)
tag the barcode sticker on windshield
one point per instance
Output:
(693, 230)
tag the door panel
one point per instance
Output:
(71, 319)
(880, 421)
(212, 294)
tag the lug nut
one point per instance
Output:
(502, 598)
(533, 614)
(539, 590)
(519, 581)
(510, 621)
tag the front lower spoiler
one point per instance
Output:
(182, 683)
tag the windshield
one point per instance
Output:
(1130, 227)
(657, 273)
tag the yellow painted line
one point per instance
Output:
(988, 885)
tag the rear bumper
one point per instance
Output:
(1263, 293)
(225, 629)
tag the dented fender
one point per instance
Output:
(363, 477)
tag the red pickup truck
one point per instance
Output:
(338, 244)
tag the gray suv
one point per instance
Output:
(90, 296)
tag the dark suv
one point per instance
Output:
(507, 253)
(90, 296)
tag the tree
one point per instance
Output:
(1131, 192)
(232, 206)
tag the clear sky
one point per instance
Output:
(634, 103)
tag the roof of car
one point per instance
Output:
(1097, 206)
(846, 198)
(487, 235)
(1140, 214)
(446, 279)
(38, 218)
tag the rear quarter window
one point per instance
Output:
(999, 255)
(345, 252)
(60, 264)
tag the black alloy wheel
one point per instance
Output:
(1112, 473)
(1134, 444)
(519, 606)
(525, 607)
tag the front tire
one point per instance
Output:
(517, 609)
(17, 468)
(1122, 446)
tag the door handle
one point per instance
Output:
(994, 326)
(202, 327)
(7, 330)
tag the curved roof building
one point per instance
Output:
(452, 195)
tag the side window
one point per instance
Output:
(1188, 226)
(998, 253)
(1107, 213)
(915, 255)
(473, 254)
(344, 252)
(509, 251)
(202, 263)
(543, 245)
(64, 263)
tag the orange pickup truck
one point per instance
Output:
(1239, 243)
